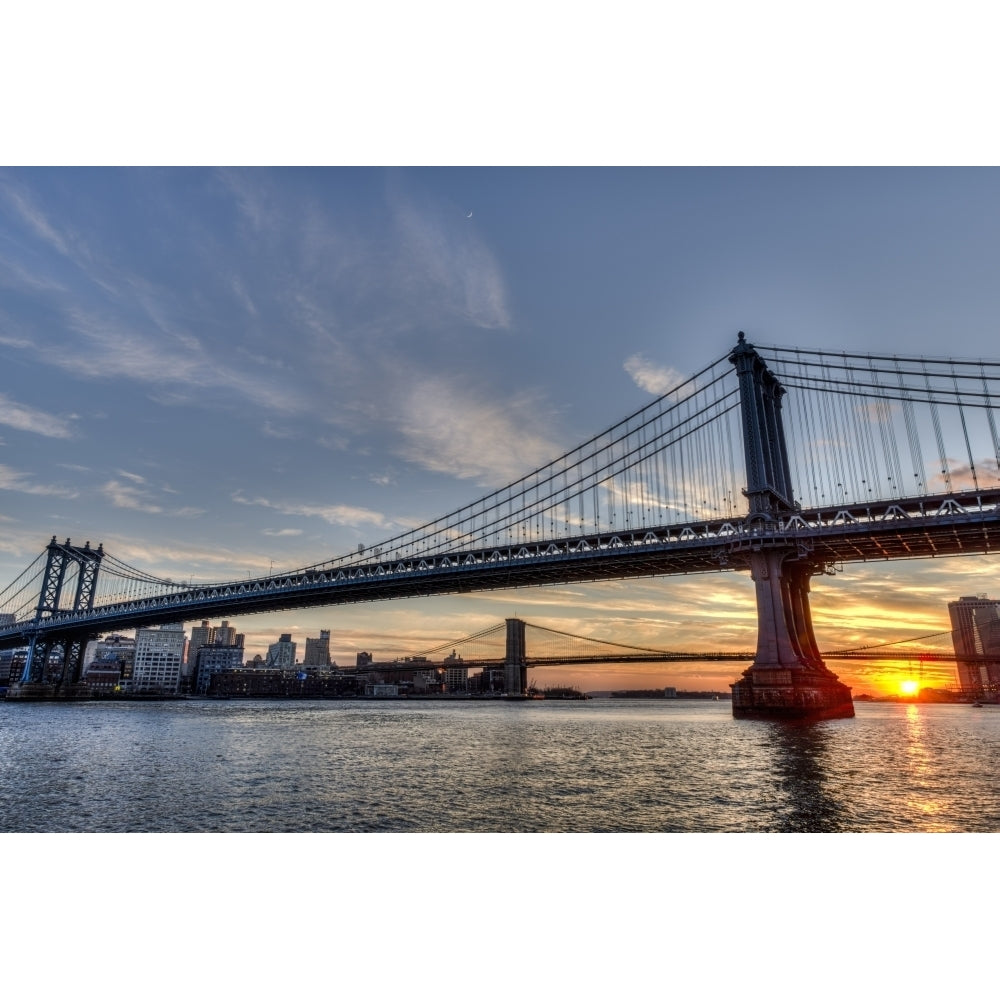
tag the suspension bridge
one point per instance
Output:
(541, 646)
(893, 458)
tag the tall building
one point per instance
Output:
(975, 631)
(225, 635)
(159, 656)
(456, 674)
(281, 654)
(318, 650)
(201, 635)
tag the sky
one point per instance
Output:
(218, 372)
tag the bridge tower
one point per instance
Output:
(515, 669)
(67, 649)
(788, 679)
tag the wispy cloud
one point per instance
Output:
(23, 482)
(132, 497)
(336, 514)
(34, 218)
(442, 254)
(281, 532)
(452, 429)
(27, 418)
(105, 347)
(651, 377)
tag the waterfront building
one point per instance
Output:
(281, 654)
(104, 676)
(109, 651)
(213, 660)
(318, 650)
(118, 649)
(159, 655)
(456, 674)
(975, 631)
(12, 665)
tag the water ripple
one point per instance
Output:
(597, 766)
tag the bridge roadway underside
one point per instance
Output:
(948, 525)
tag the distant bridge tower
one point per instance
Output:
(62, 654)
(515, 669)
(788, 678)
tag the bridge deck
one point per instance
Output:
(923, 527)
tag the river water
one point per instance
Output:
(439, 766)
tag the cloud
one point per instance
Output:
(281, 532)
(452, 429)
(250, 199)
(336, 514)
(201, 562)
(13, 275)
(27, 418)
(134, 477)
(443, 256)
(35, 219)
(656, 379)
(133, 498)
(269, 430)
(129, 497)
(21, 482)
(106, 347)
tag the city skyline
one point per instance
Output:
(218, 373)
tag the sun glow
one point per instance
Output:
(909, 688)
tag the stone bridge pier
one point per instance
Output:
(788, 679)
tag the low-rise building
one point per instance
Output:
(213, 660)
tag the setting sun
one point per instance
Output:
(909, 687)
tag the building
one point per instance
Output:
(159, 656)
(226, 635)
(281, 654)
(456, 674)
(975, 632)
(318, 650)
(110, 651)
(213, 660)
(201, 635)
(204, 635)
(12, 666)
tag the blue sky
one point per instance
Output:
(214, 371)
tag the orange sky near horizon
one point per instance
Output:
(865, 604)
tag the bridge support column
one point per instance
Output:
(788, 679)
(52, 669)
(515, 669)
